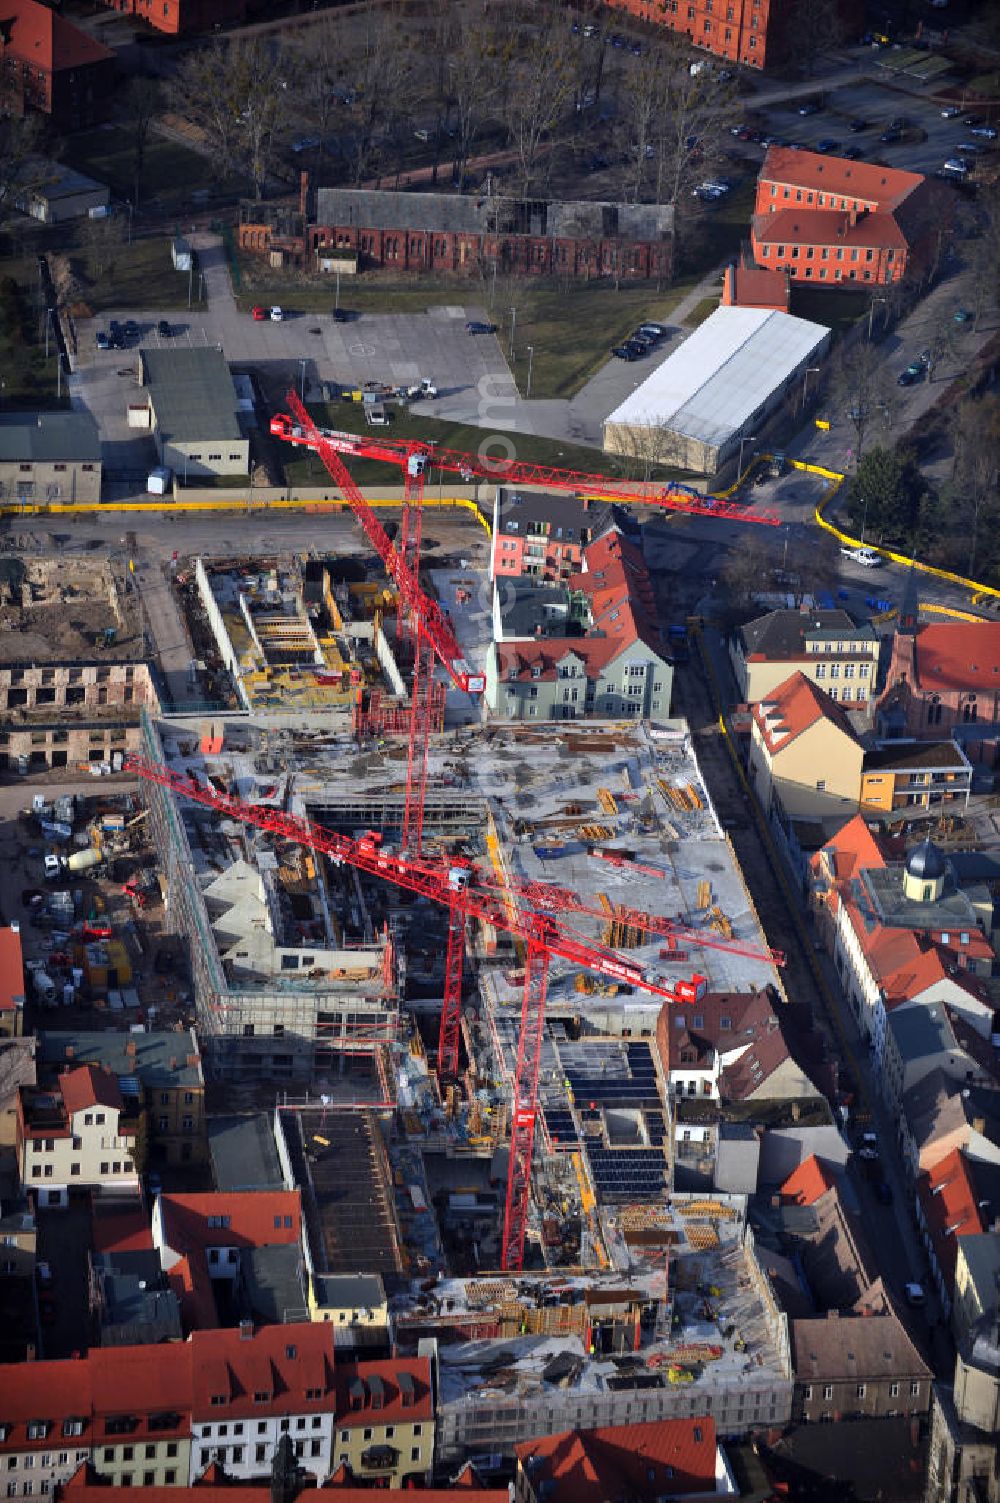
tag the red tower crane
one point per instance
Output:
(466, 896)
(472, 467)
(432, 620)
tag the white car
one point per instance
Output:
(950, 112)
(866, 557)
(276, 314)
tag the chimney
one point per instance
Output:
(979, 1124)
(130, 1048)
(853, 218)
(303, 191)
(70, 1051)
(192, 1060)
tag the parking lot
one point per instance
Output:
(304, 348)
(876, 102)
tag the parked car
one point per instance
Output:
(852, 153)
(827, 144)
(986, 132)
(103, 340)
(868, 559)
(956, 167)
(43, 1272)
(950, 112)
(809, 108)
(964, 316)
(659, 330)
(915, 1295)
(627, 351)
(477, 326)
(163, 329)
(858, 125)
(891, 135)
(912, 374)
(341, 316)
(258, 313)
(277, 314)
(131, 329)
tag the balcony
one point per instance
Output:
(380, 1458)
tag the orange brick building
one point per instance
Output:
(750, 287)
(753, 32)
(177, 17)
(743, 31)
(828, 219)
(51, 67)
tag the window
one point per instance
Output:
(861, 1390)
(914, 1390)
(894, 1390)
(828, 1391)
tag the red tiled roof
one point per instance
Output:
(214, 1487)
(44, 39)
(947, 1195)
(807, 1183)
(664, 1459)
(792, 708)
(800, 226)
(191, 1281)
(748, 1075)
(853, 849)
(284, 1363)
(393, 1409)
(46, 1391)
(123, 1380)
(11, 970)
(757, 287)
(120, 1230)
(256, 1218)
(884, 186)
(958, 655)
(89, 1085)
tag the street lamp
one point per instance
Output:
(813, 370)
(864, 519)
(48, 320)
(531, 356)
(748, 438)
(302, 381)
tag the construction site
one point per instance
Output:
(448, 946)
(73, 674)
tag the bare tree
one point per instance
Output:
(238, 92)
(20, 140)
(477, 80)
(102, 240)
(544, 85)
(857, 381)
(378, 68)
(978, 460)
(143, 100)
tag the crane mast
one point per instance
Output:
(457, 886)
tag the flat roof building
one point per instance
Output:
(722, 385)
(193, 412)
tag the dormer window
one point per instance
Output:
(38, 1429)
(536, 673)
(262, 1396)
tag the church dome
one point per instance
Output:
(925, 862)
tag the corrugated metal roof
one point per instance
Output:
(712, 386)
(481, 214)
(41, 437)
(192, 394)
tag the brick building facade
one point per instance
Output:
(50, 67)
(182, 17)
(756, 33)
(58, 714)
(828, 219)
(463, 234)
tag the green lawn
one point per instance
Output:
(570, 327)
(27, 379)
(701, 311)
(141, 275)
(305, 469)
(174, 176)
